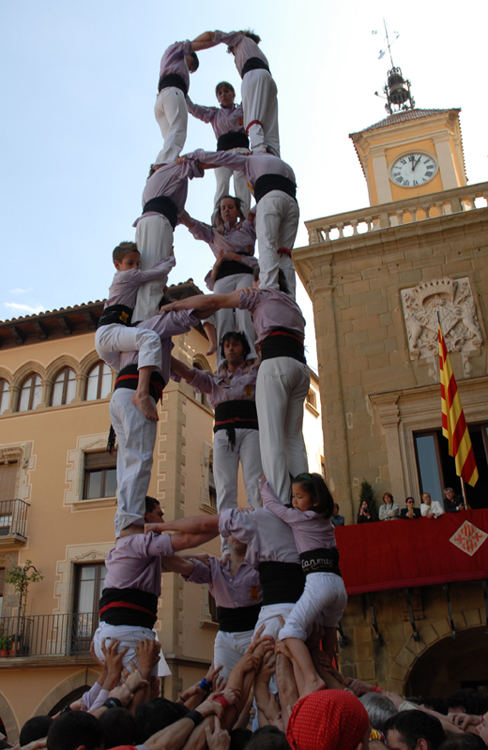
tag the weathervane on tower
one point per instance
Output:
(397, 88)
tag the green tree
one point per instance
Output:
(21, 577)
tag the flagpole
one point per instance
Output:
(463, 490)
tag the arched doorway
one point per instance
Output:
(451, 664)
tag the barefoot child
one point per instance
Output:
(115, 334)
(324, 597)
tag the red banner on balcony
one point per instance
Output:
(421, 552)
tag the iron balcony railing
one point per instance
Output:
(13, 518)
(47, 635)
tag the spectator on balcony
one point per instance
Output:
(452, 502)
(364, 513)
(336, 518)
(430, 508)
(410, 511)
(388, 510)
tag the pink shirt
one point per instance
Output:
(252, 165)
(310, 529)
(226, 386)
(222, 119)
(268, 538)
(173, 61)
(135, 562)
(271, 309)
(171, 181)
(243, 46)
(243, 590)
(123, 290)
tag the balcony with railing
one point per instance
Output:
(57, 637)
(13, 522)
(398, 213)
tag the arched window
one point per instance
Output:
(99, 382)
(30, 393)
(64, 387)
(4, 395)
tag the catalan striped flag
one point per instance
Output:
(454, 426)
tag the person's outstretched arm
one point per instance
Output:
(190, 525)
(204, 41)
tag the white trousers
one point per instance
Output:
(135, 436)
(130, 636)
(241, 188)
(260, 105)
(321, 604)
(281, 387)
(171, 114)
(226, 467)
(154, 240)
(114, 338)
(234, 320)
(276, 227)
(229, 648)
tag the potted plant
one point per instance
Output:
(21, 577)
(5, 643)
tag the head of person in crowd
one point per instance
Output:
(126, 256)
(426, 498)
(225, 93)
(414, 730)
(379, 708)
(328, 720)
(192, 62)
(234, 348)
(387, 498)
(34, 728)
(466, 741)
(239, 738)
(310, 492)
(75, 730)
(154, 513)
(156, 714)
(230, 210)
(468, 701)
(268, 738)
(119, 727)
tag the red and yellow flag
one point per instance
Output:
(454, 426)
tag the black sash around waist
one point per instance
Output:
(128, 607)
(120, 314)
(238, 413)
(232, 139)
(253, 63)
(172, 80)
(268, 182)
(128, 377)
(231, 267)
(164, 206)
(283, 343)
(281, 582)
(320, 561)
(239, 619)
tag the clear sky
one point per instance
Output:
(78, 132)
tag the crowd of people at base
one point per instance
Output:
(389, 510)
(243, 713)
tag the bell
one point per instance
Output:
(398, 93)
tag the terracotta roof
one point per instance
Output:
(68, 321)
(409, 114)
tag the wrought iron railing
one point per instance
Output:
(13, 518)
(47, 635)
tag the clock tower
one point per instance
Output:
(412, 152)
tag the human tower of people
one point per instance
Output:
(279, 572)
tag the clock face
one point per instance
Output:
(413, 169)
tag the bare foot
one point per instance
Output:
(146, 405)
(213, 348)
